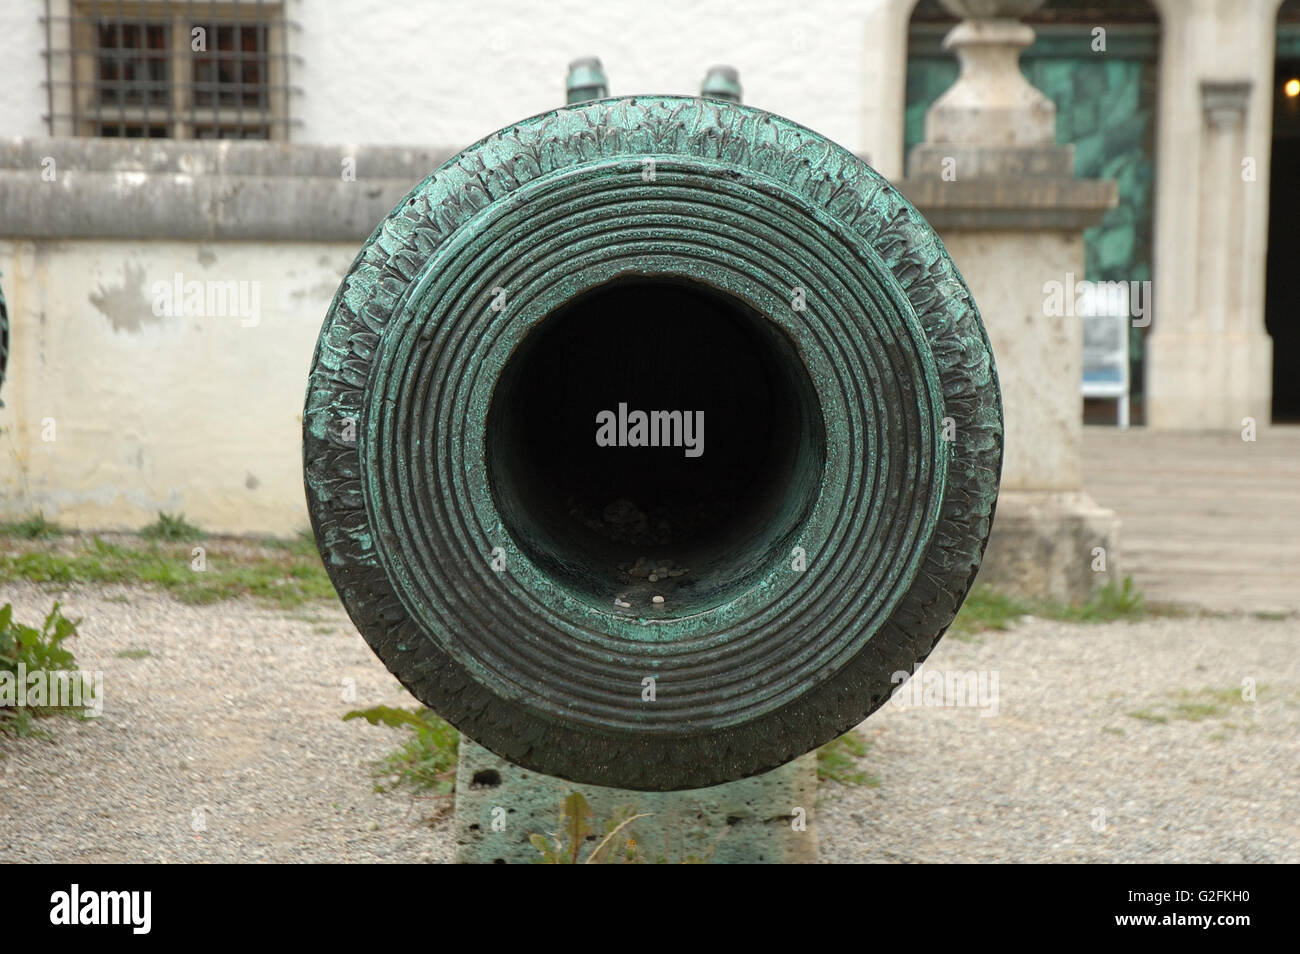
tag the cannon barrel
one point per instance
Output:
(648, 439)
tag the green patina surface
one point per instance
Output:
(787, 625)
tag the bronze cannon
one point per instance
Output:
(648, 437)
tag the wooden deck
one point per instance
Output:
(1208, 519)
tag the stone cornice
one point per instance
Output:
(187, 189)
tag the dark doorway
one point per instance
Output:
(1282, 292)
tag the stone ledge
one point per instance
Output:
(189, 189)
(974, 161)
(231, 157)
(1000, 202)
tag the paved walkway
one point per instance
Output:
(1208, 519)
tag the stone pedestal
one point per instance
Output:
(1044, 544)
(998, 188)
(756, 820)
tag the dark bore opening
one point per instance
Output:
(693, 519)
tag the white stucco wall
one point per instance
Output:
(378, 71)
(200, 415)
(22, 97)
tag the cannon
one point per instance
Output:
(648, 438)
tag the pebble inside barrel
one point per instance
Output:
(648, 438)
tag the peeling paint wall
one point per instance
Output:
(115, 411)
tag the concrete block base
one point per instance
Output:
(499, 805)
(1043, 545)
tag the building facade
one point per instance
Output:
(127, 395)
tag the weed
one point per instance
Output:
(1109, 603)
(35, 527)
(285, 577)
(1272, 615)
(427, 760)
(836, 761)
(171, 527)
(1195, 705)
(564, 847)
(36, 650)
(988, 609)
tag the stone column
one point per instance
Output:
(1209, 358)
(1001, 192)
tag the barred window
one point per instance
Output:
(178, 69)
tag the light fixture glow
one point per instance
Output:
(1292, 88)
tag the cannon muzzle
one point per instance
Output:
(650, 439)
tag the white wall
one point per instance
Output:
(200, 415)
(450, 73)
(22, 98)
(442, 73)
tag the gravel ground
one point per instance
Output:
(1064, 757)
(236, 713)
(234, 716)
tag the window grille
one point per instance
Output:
(178, 69)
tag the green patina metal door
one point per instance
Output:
(1105, 106)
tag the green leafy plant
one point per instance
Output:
(427, 760)
(171, 527)
(37, 650)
